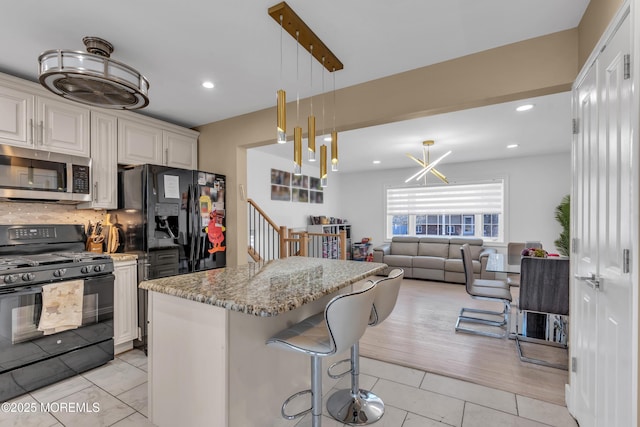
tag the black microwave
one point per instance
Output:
(28, 174)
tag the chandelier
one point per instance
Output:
(426, 164)
(290, 22)
(93, 78)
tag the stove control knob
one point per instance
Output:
(98, 268)
(61, 272)
(86, 269)
(10, 278)
(28, 277)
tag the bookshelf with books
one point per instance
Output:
(328, 247)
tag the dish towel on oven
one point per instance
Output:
(61, 306)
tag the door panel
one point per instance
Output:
(585, 249)
(614, 297)
(601, 323)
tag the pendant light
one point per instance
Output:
(334, 134)
(323, 165)
(297, 28)
(297, 151)
(426, 165)
(297, 131)
(282, 116)
(311, 121)
(281, 102)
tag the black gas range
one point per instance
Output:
(33, 260)
(20, 270)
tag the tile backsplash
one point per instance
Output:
(47, 213)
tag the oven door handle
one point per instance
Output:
(21, 291)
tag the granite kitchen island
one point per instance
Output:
(208, 362)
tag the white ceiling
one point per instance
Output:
(472, 135)
(236, 44)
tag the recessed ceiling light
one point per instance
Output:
(376, 162)
(512, 146)
(327, 138)
(208, 85)
(525, 107)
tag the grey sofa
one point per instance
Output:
(433, 258)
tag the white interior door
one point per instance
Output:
(601, 338)
(613, 382)
(585, 250)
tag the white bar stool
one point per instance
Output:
(342, 323)
(356, 406)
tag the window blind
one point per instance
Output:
(485, 198)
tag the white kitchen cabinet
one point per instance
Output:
(61, 127)
(16, 117)
(39, 122)
(140, 142)
(125, 305)
(104, 162)
(180, 151)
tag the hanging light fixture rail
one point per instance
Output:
(292, 23)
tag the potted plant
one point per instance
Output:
(563, 216)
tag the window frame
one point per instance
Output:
(477, 225)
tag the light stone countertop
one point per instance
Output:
(266, 289)
(123, 257)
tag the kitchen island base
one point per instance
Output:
(209, 366)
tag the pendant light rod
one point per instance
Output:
(311, 120)
(281, 102)
(293, 23)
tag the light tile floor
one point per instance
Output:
(413, 398)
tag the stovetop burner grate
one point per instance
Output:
(35, 254)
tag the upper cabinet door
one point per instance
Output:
(16, 117)
(104, 166)
(180, 151)
(62, 127)
(139, 143)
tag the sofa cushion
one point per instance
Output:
(428, 262)
(427, 274)
(475, 247)
(456, 266)
(401, 245)
(398, 260)
(433, 246)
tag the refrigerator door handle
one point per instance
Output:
(146, 266)
(195, 232)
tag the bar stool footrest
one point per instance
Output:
(289, 399)
(338, 376)
(363, 409)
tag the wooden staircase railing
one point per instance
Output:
(267, 241)
(264, 235)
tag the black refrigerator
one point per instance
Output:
(174, 220)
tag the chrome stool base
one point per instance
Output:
(365, 408)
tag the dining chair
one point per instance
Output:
(488, 290)
(544, 290)
(514, 254)
(533, 244)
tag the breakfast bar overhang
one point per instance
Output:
(208, 362)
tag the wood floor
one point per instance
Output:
(420, 334)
